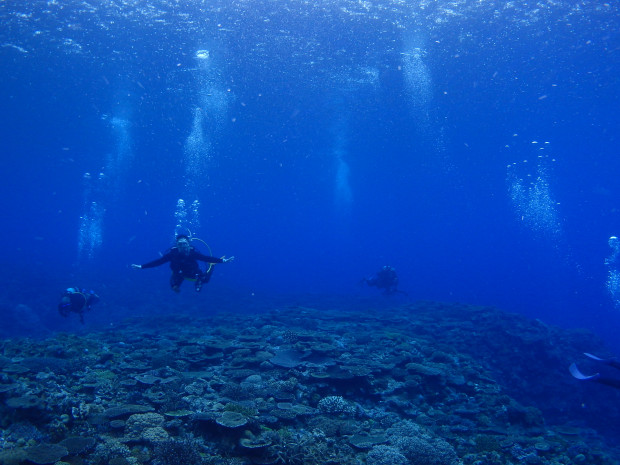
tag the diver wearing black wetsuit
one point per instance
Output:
(78, 301)
(184, 264)
(386, 279)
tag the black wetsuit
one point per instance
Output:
(185, 266)
(75, 301)
(385, 279)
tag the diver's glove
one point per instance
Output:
(136, 267)
(226, 260)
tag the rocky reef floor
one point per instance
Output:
(424, 383)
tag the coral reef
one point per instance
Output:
(422, 384)
(385, 455)
(335, 405)
(177, 452)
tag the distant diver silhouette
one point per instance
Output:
(77, 300)
(386, 279)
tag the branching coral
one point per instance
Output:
(298, 448)
(385, 455)
(335, 405)
(175, 452)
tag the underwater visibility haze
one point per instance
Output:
(471, 145)
(468, 144)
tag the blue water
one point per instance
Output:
(471, 145)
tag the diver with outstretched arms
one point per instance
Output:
(183, 259)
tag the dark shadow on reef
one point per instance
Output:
(422, 383)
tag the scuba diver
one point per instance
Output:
(386, 279)
(597, 377)
(184, 264)
(77, 301)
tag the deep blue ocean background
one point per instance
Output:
(471, 145)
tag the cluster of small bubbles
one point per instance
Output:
(208, 119)
(90, 232)
(354, 78)
(102, 188)
(187, 220)
(180, 216)
(197, 154)
(418, 80)
(180, 213)
(61, 23)
(89, 176)
(119, 160)
(530, 192)
(197, 151)
(613, 271)
(195, 214)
